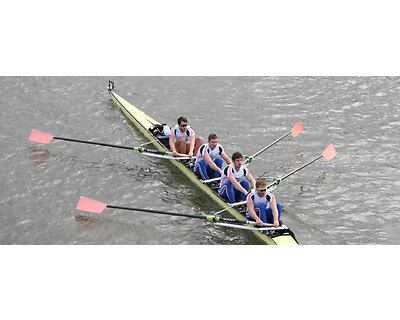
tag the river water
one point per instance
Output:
(352, 199)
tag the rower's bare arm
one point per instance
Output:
(172, 142)
(275, 214)
(253, 214)
(211, 163)
(226, 158)
(250, 177)
(236, 184)
(207, 158)
(192, 142)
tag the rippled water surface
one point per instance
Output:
(353, 199)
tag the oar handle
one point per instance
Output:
(95, 143)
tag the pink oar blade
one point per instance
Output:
(329, 152)
(297, 129)
(40, 136)
(90, 205)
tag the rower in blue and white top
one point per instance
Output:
(209, 159)
(236, 180)
(182, 139)
(262, 206)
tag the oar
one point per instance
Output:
(45, 137)
(90, 205)
(296, 130)
(329, 153)
(252, 228)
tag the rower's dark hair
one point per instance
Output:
(236, 155)
(261, 183)
(212, 136)
(182, 119)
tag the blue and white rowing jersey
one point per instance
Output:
(206, 149)
(231, 171)
(178, 134)
(255, 199)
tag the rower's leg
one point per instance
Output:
(270, 216)
(218, 162)
(210, 172)
(187, 148)
(280, 207)
(201, 170)
(227, 192)
(245, 184)
(180, 146)
(197, 144)
(261, 209)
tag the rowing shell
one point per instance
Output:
(141, 121)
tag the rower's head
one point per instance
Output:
(212, 140)
(237, 159)
(183, 123)
(261, 187)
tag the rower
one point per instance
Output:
(236, 180)
(262, 206)
(182, 139)
(209, 159)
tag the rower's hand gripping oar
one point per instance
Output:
(45, 137)
(296, 130)
(90, 205)
(236, 204)
(328, 154)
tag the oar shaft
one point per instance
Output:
(95, 143)
(138, 149)
(253, 228)
(91, 205)
(209, 218)
(249, 159)
(295, 170)
(187, 215)
(270, 145)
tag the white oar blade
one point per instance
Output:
(40, 136)
(329, 152)
(90, 205)
(297, 129)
